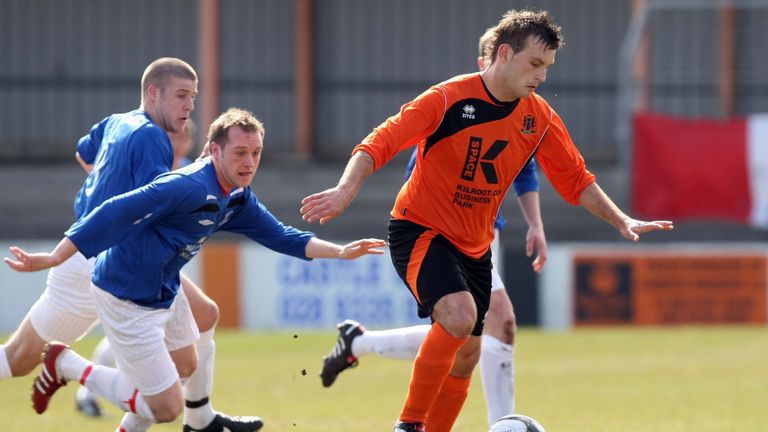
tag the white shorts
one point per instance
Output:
(496, 282)
(142, 337)
(65, 311)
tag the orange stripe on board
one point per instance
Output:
(219, 271)
(417, 257)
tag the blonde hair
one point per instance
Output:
(241, 118)
(160, 71)
(486, 42)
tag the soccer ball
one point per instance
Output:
(516, 423)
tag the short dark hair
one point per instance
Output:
(160, 71)
(241, 118)
(516, 26)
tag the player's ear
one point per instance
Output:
(215, 149)
(506, 52)
(153, 91)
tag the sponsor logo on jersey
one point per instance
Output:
(473, 154)
(486, 161)
(469, 112)
(529, 125)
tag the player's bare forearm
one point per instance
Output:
(531, 209)
(29, 262)
(598, 203)
(535, 240)
(319, 248)
(328, 204)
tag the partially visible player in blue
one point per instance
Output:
(497, 362)
(143, 238)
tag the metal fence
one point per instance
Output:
(68, 63)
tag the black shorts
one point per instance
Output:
(432, 268)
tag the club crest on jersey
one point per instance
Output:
(529, 125)
(469, 112)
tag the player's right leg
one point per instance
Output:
(86, 402)
(147, 382)
(454, 290)
(64, 312)
(198, 412)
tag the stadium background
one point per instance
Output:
(321, 74)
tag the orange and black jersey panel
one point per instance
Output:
(470, 149)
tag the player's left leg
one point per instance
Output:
(85, 401)
(497, 364)
(355, 341)
(455, 388)
(198, 413)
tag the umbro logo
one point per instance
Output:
(146, 216)
(205, 222)
(469, 112)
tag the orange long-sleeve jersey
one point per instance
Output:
(471, 148)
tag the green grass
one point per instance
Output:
(692, 379)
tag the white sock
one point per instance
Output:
(5, 368)
(497, 369)
(399, 343)
(71, 365)
(103, 355)
(134, 423)
(113, 385)
(198, 412)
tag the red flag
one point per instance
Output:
(700, 168)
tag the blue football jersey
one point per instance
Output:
(127, 151)
(144, 237)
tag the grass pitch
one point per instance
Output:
(683, 379)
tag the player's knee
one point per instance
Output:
(457, 314)
(206, 316)
(510, 329)
(460, 324)
(187, 367)
(168, 410)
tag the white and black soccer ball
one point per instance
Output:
(516, 423)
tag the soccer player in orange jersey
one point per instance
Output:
(474, 133)
(497, 363)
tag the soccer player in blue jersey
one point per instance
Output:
(142, 239)
(203, 309)
(121, 153)
(497, 366)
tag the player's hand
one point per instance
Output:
(29, 262)
(535, 241)
(633, 228)
(362, 247)
(325, 205)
